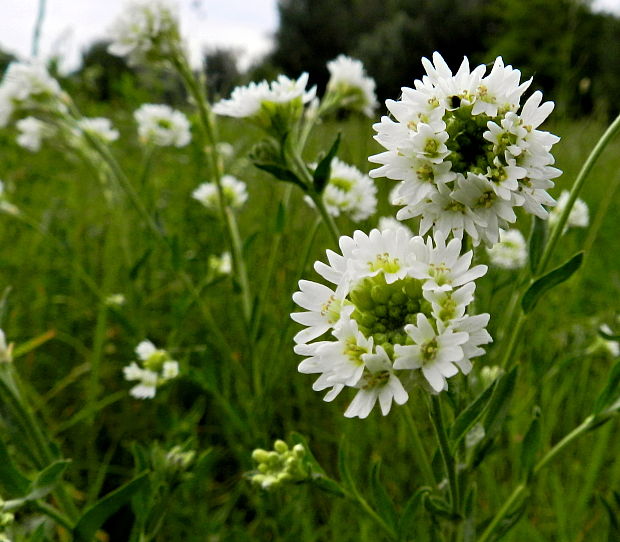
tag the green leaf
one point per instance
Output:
(323, 170)
(96, 515)
(608, 336)
(46, 479)
(468, 418)
(613, 512)
(538, 238)
(385, 506)
(469, 511)
(530, 445)
(499, 403)
(343, 466)
(141, 261)
(610, 395)
(12, 481)
(406, 524)
(327, 484)
(548, 281)
(312, 462)
(280, 217)
(282, 174)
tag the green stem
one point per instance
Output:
(54, 514)
(521, 488)
(418, 448)
(356, 496)
(446, 454)
(210, 139)
(556, 233)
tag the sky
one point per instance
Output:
(70, 25)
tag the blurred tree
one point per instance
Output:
(5, 60)
(102, 73)
(221, 71)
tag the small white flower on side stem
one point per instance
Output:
(160, 125)
(510, 252)
(156, 367)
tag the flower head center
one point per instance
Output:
(383, 262)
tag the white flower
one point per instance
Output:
(579, 216)
(464, 153)
(433, 351)
(235, 193)
(221, 265)
(399, 308)
(99, 127)
(32, 132)
(148, 30)
(390, 223)
(163, 126)
(349, 191)
(5, 351)
(115, 300)
(510, 252)
(612, 347)
(28, 86)
(379, 383)
(262, 101)
(157, 368)
(354, 88)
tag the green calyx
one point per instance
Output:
(383, 310)
(469, 151)
(156, 360)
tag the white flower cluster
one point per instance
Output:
(161, 125)
(348, 79)
(398, 311)
(28, 86)
(235, 193)
(221, 265)
(248, 101)
(157, 368)
(390, 223)
(32, 132)
(465, 151)
(99, 127)
(579, 216)
(510, 252)
(148, 30)
(349, 191)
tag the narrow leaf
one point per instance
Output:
(548, 281)
(323, 170)
(280, 218)
(468, 418)
(384, 504)
(530, 445)
(613, 532)
(608, 336)
(499, 404)
(343, 466)
(282, 174)
(537, 241)
(96, 515)
(327, 484)
(406, 523)
(611, 393)
(46, 479)
(12, 481)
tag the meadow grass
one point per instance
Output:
(226, 404)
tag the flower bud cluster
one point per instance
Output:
(397, 313)
(147, 31)
(466, 152)
(163, 126)
(279, 466)
(29, 87)
(235, 193)
(350, 87)
(349, 192)
(510, 252)
(156, 368)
